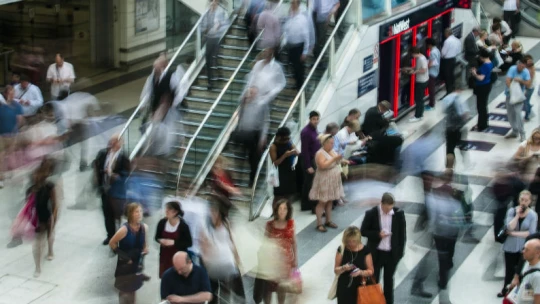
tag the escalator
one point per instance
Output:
(530, 10)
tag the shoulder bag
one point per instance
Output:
(332, 293)
(512, 296)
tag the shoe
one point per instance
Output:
(415, 119)
(37, 273)
(331, 225)
(14, 243)
(511, 135)
(522, 137)
(428, 108)
(421, 293)
(321, 228)
(106, 241)
(145, 277)
(50, 257)
(503, 293)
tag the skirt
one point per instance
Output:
(327, 185)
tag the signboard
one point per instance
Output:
(367, 83)
(458, 31)
(368, 63)
(146, 16)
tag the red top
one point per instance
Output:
(284, 238)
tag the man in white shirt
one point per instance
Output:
(267, 76)
(297, 35)
(346, 141)
(323, 11)
(511, 15)
(529, 288)
(29, 96)
(421, 82)
(434, 69)
(61, 75)
(450, 50)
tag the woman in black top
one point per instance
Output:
(283, 152)
(172, 234)
(353, 265)
(46, 206)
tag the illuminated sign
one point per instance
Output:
(400, 26)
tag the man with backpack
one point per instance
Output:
(528, 291)
(457, 113)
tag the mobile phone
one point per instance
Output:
(355, 270)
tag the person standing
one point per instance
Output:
(457, 113)
(29, 96)
(213, 26)
(61, 75)
(450, 50)
(471, 48)
(384, 226)
(323, 11)
(310, 146)
(374, 120)
(511, 15)
(283, 155)
(11, 119)
(297, 36)
(434, 68)
(421, 82)
(529, 63)
(522, 76)
(482, 77)
(269, 22)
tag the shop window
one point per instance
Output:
(372, 8)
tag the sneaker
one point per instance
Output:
(415, 119)
(37, 273)
(428, 108)
(511, 135)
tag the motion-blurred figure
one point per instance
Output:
(323, 11)
(297, 33)
(267, 76)
(457, 113)
(269, 22)
(61, 75)
(11, 118)
(213, 26)
(29, 96)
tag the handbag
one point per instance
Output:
(27, 221)
(516, 93)
(502, 235)
(273, 176)
(293, 284)
(498, 59)
(370, 294)
(332, 293)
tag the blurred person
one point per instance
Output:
(61, 75)
(384, 226)
(414, 160)
(159, 89)
(296, 32)
(353, 264)
(281, 230)
(450, 50)
(267, 75)
(374, 120)
(527, 155)
(172, 234)
(506, 31)
(495, 38)
(310, 146)
(483, 84)
(11, 119)
(512, 56)
(213, 26)
(332, 129)
(283, 155)
(529, 63)
(111, 167)
(507, 187)
(223, 183)
(220, 257)
(434, 66)
(323, 11)
(457, 113)
(29, 96)
(521, 221)
(522, 76)
(185, 282)
(252, 128)
(131, 245)
(421, 71)
(534, 188)
(385, 145)
(327, 186)
(354, 114)
(511, 14)
(256, 7)
(269, 22)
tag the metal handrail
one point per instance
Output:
(295, 101)
(214, 105)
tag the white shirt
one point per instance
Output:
(451, 47)
(170, 228)
(530, 285)
(510, 5)
(64, 73)
(342, 139)
(505, 28)
(422, 64)
(268, 78)
(297, 30)
(75, 106)
(33, 94)
(386, 226)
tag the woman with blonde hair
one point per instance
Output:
(513, 55)
(327, 186)
(528, 154)
(353, 264)
(130, 244)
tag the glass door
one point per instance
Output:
(406, 43)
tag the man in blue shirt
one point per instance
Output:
(521, 75)
(185, 282)
(11, 117)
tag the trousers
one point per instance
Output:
(384, 259)
(514, 117)
(447, 69)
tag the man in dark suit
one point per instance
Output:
(374, 120)
(471, 48)
(384, 226)
(111, 167)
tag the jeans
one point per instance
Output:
(453, 139)
(419, 89)
(295, 59)
(514, 117)
(527, 103)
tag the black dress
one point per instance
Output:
(348, 294)
(287, 176)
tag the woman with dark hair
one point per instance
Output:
(283, 154)
(482, 77)
(172, 234)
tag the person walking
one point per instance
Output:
(521, 75)
(511, 15)
(296, 31)
(385, 227)
(267, 76)
(434, 67)
(482, 77)
(421, 83)
(450, 50)
(213, 26)
(457, 113)
(323, 10)
(269, 22)
(310, 146)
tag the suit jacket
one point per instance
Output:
(373, 121)
(121, 167)
(371, 228)
(471, 49)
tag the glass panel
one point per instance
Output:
(372, 8)
(399, 2)
(180, 19)
(405, 78)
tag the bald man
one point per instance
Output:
(185, 282)
(529, 288)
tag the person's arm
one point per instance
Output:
(71, 77)
(367, 226)
(145, 249)
(508, 81)
(184, 239)
(403, 227)
(512, 220)
(54, 204)
(118, 236)
(277, 161)
(305, 35)
(520, 153)
(295, 247)
(444, 50)
(279, 82)
(337, 262)
(334, 11)
(200, 297)
(369, 268)
(50, 74)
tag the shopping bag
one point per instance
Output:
(332, 293)
(370, 294)
(293, 284)
(26, 221)
(511, 297)
(498, 59)
(516, 93)
(273, 176)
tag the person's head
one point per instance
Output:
(182, 263)
(484, 54)
(531, 251)
(528, 60)
(483, 35)
(268, 54)
(59, 60)
(214, 3)
(352, 237)
(115, 143)
(295, 5)
(332, 128)
(415, 51)
(384, 106)
(173, 209)
(354, 114)
(497, 20)
(9, 93)
(134, 213)
(525, 198)
(447, 32)
(476, 30)
(283, 135)
(496, 28)
(15, 78)
(160, 63)
(516, 46)
(387, 202)
(535, 137)
(430, 42)
(25, 81)
(353, 126)
(327, 141)
(520, 65)
(314, 117)
(282, 210)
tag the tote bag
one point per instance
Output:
(516, 93)
(273, 176)
(332, 293)
(370, 294)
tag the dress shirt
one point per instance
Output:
(451, 47)
(271, 36)
(268, 78)
(342, 139)
(297, 30)
(386, 226)
(323, 8)
(33, 94)
(215, 22)
(64, 73)
(505, 28)
(435, 60)
(510, 5)
(310, 145)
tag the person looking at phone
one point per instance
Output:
(384, 226)
(528, 154)
(283, 154)
(521, 221)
